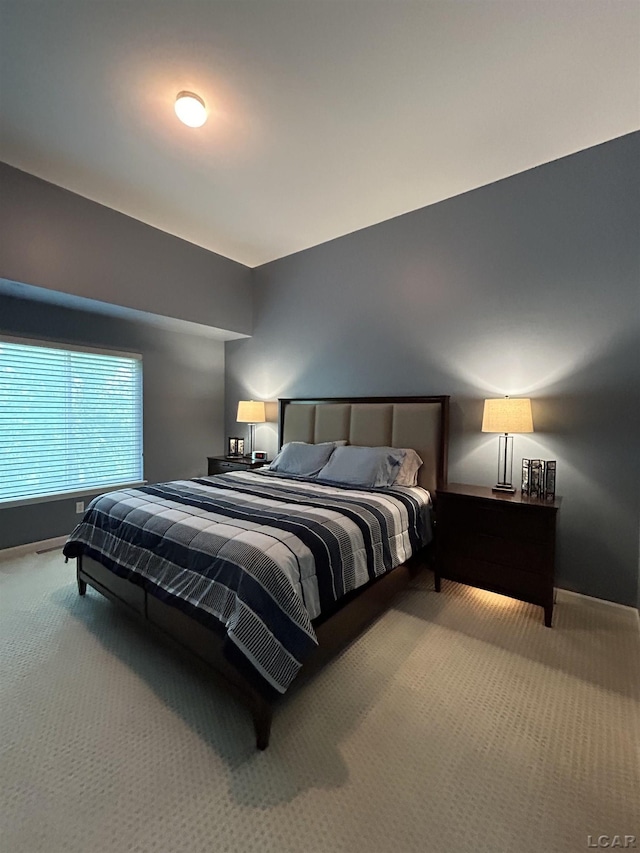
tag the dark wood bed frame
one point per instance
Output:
(335, 632)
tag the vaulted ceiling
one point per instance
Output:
(325, 116)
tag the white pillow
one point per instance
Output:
(276, 458)
(370, 467)
(302, 459)
(408, 473)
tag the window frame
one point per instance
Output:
(89, 491)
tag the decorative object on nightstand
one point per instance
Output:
(506, 415)
(496, 541)
(539, 478)
(536, 479)
(251, 412)
(235, 446)
(550, 480)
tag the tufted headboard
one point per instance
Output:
(421, 423)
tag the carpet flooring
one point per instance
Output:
(457, 723)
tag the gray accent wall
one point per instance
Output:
(52, 238)
(183, 393)
(528, 287)
(55, 242)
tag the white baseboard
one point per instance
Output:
(58, 542)
(593, 600)
(32, 548)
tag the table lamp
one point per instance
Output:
(250, 412)
(506, 415)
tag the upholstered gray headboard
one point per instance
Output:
(421, 423)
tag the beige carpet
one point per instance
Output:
(457, 723)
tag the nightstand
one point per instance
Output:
(500, 542)
(225, 464)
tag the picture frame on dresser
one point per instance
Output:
(235, 446)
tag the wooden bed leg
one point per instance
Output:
(262, 726)
(436, 580)
(82, 585)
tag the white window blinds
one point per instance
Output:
(70, 420)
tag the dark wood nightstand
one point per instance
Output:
(496, 541)
(225, 464)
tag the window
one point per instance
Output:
(70, 420)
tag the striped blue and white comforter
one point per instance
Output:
(265, 555)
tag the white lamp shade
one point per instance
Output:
(190, 109)
(250, 412)
(507, 414)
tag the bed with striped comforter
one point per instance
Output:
(262, 554)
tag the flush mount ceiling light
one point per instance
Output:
(190, 109)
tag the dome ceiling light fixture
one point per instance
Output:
(190, 109)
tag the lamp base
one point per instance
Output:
(505, 465)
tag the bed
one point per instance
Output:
(266, 575)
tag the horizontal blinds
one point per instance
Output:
(70, 420)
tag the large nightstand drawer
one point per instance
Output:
(220, 467)
(527, 586)
(513, 553)
(225, 464)
(505, 521)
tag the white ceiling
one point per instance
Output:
(326, 116)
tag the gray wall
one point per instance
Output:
(54, 239)
(530, 287)
(183, 388)
(60, 242)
